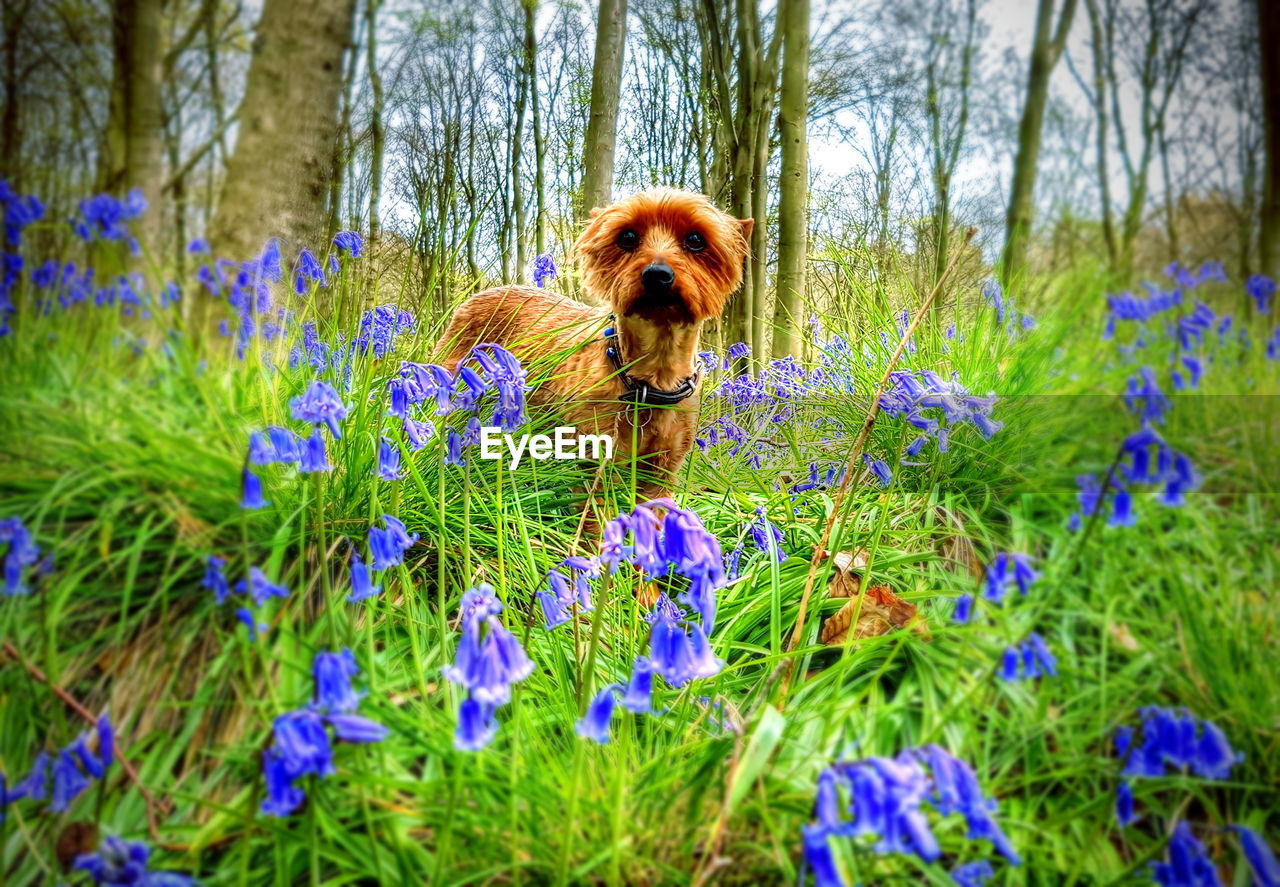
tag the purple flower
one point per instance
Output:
(362, 587)
(972, 874)
(389, 545)
(251, 489)
(453, 449)
(1266, 870)
(388, 461)
(1261, 288)
(767, 537)
(963, 612)
(1177, 739)
(333, 673)
(1186, 864)
(817, 853)
(544, 269)
(254, 627)
(260, 587)
(349, 242)
(638, 696)
(1124, 805)
(214, 579)
(313, 456)
(1006, 570)
(320, 404)
(995, 296)
(121, 862)
(22, 553)
(594, 725)
(879, 468)
(68, 781)
(679, 651)
(418, 433)
(476, 725)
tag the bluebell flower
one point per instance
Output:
(397, 398)
(308, 269)
(418, 433)
(199, 245)
(767, 537)
(333, 673)
(739, 350)
(487, 666)
(479, 602)
(956, 789)
(313, 457)
(122, 863)
(638, 696)
(68, 782)
(301, 747)
(557, 600)
(362, 586)
(469, 386)
(389, 545)
(963, 612)
(214, 579)
(584, 569)
(818, 856)
(594, 725)
(388, 461)
(425, 382)
(972, 874)
(476, 725)
(283, 797)
(22, 553)
(1122, 514)
(508, 377)
(1212, 270)
(260, 588)
(1261, 288)
(349, 242)
(1030, 660)
(1177, 739)
(1005, 571)
(1124, 805)
(251, 489)
(254, 627)
(320, 404)
(879, 468)
(1266, 870)
(349, 727)
(453, 449)
(544, 269)
(994, 295)
(35, 785)
(679, 651)
(1144, 398)
(1187, 863)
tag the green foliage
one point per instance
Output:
(126, 465)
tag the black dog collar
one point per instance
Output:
(638, 391)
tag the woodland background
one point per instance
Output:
(466, 138)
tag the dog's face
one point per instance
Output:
(665, 255)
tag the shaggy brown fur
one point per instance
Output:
(658, 323)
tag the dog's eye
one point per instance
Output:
(628, 240)
(695, 242)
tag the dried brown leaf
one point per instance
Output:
(1124, 639)
(878, 611)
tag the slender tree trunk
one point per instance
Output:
(606, 86)
(1170, 199)
(277, 178)
(133, 151)
(377, 134)
(1098, 32)
(793, 187)
(539, 138)
(1269, 209)
(519, 213)
(1045, 52)
(342, 148)
(15, 15)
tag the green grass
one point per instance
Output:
(126, 466)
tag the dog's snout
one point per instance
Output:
(658, 276)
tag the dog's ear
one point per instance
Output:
(748, 225)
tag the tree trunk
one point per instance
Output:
(793, 186)
(15, 15)
(606, 86)
(133, 150)
(278, 175)
(539, 138)
(377, 134)
(1099, 35)
(1045, 52)
(1269, 236)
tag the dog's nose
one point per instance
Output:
(657, 276)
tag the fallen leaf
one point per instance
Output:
(850, 566)
(875, 612)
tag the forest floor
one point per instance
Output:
(1005, 613)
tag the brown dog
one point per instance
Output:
(664, 262)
